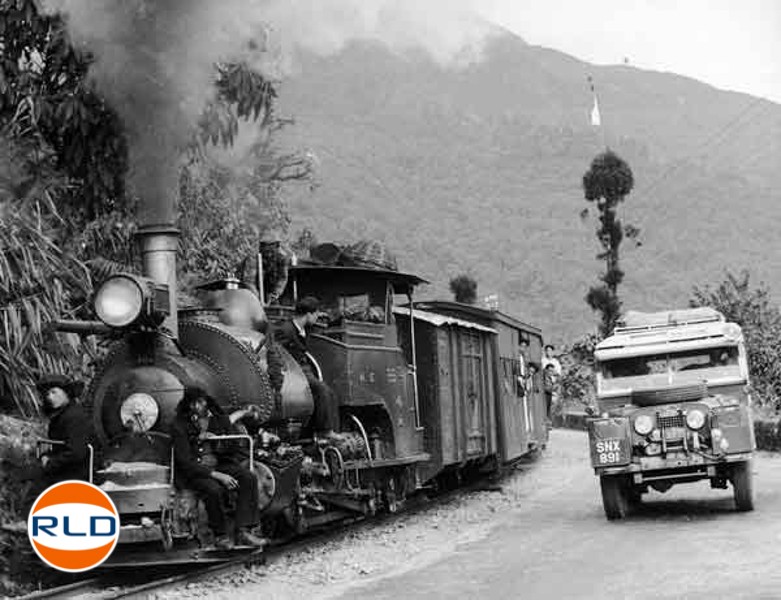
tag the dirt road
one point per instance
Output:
(545, 536)
(687, 543)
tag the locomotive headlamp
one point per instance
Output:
(644, 424)
(695, 418)
(124, 300)
(139, 412)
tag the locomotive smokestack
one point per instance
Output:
(158, 245)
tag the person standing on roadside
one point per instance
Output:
(549, 358)
(550, 383)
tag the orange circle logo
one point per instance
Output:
(73, 526)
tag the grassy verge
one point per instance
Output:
(20, 570)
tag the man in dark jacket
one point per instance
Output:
(212, 468)
(293, 335)
(70, 427)
(67, 424)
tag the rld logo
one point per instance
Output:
(73, 526)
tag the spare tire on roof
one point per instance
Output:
(370, 254)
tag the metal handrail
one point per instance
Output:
(48, 442)
(362, 429)
(237, 436)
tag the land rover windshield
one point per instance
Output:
(670, 369)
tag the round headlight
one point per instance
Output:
(139, 412)
(644, 424)
(695, 419)
(119, 301)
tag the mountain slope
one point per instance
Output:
(478, 170)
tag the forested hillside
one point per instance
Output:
(479, 170)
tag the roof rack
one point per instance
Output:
(634, 321)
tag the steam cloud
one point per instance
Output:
(155, 59)
(155, 64)
(448, 30)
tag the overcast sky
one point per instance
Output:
(731, 44)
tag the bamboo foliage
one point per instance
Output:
(37, 285)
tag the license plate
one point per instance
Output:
(610, 452)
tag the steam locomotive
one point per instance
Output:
(428, 391)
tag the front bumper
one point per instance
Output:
(681, 466)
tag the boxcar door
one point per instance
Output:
(513, 409)
(474, 393)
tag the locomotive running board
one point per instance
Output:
(387, 462)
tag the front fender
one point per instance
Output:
(737, 429)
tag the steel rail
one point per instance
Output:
(108, 586)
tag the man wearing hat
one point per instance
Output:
(293, 335)
(67, 424)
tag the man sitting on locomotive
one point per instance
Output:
(292, 334)
(211, 471)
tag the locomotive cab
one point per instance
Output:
(358, 350)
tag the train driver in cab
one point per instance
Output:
(210, 470)
(293, 335)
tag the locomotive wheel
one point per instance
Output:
(390, 496)
(333, 459)
(300, 526)
(166, 529)
(267, 485)
(743, 486)
(615, 496)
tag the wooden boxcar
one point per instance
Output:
(467, 372)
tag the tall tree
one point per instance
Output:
(464, 289)
(607, 182)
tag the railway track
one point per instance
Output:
(113, 586)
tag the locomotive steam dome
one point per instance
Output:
(238, 306)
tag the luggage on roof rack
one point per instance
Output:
(643, 321)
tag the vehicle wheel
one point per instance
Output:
(167, 529)
(635, 496)
(743, 486)
(615, 496)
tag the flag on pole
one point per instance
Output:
(596, 119)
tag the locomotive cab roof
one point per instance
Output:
(352, 279)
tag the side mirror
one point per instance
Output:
(590, 411)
